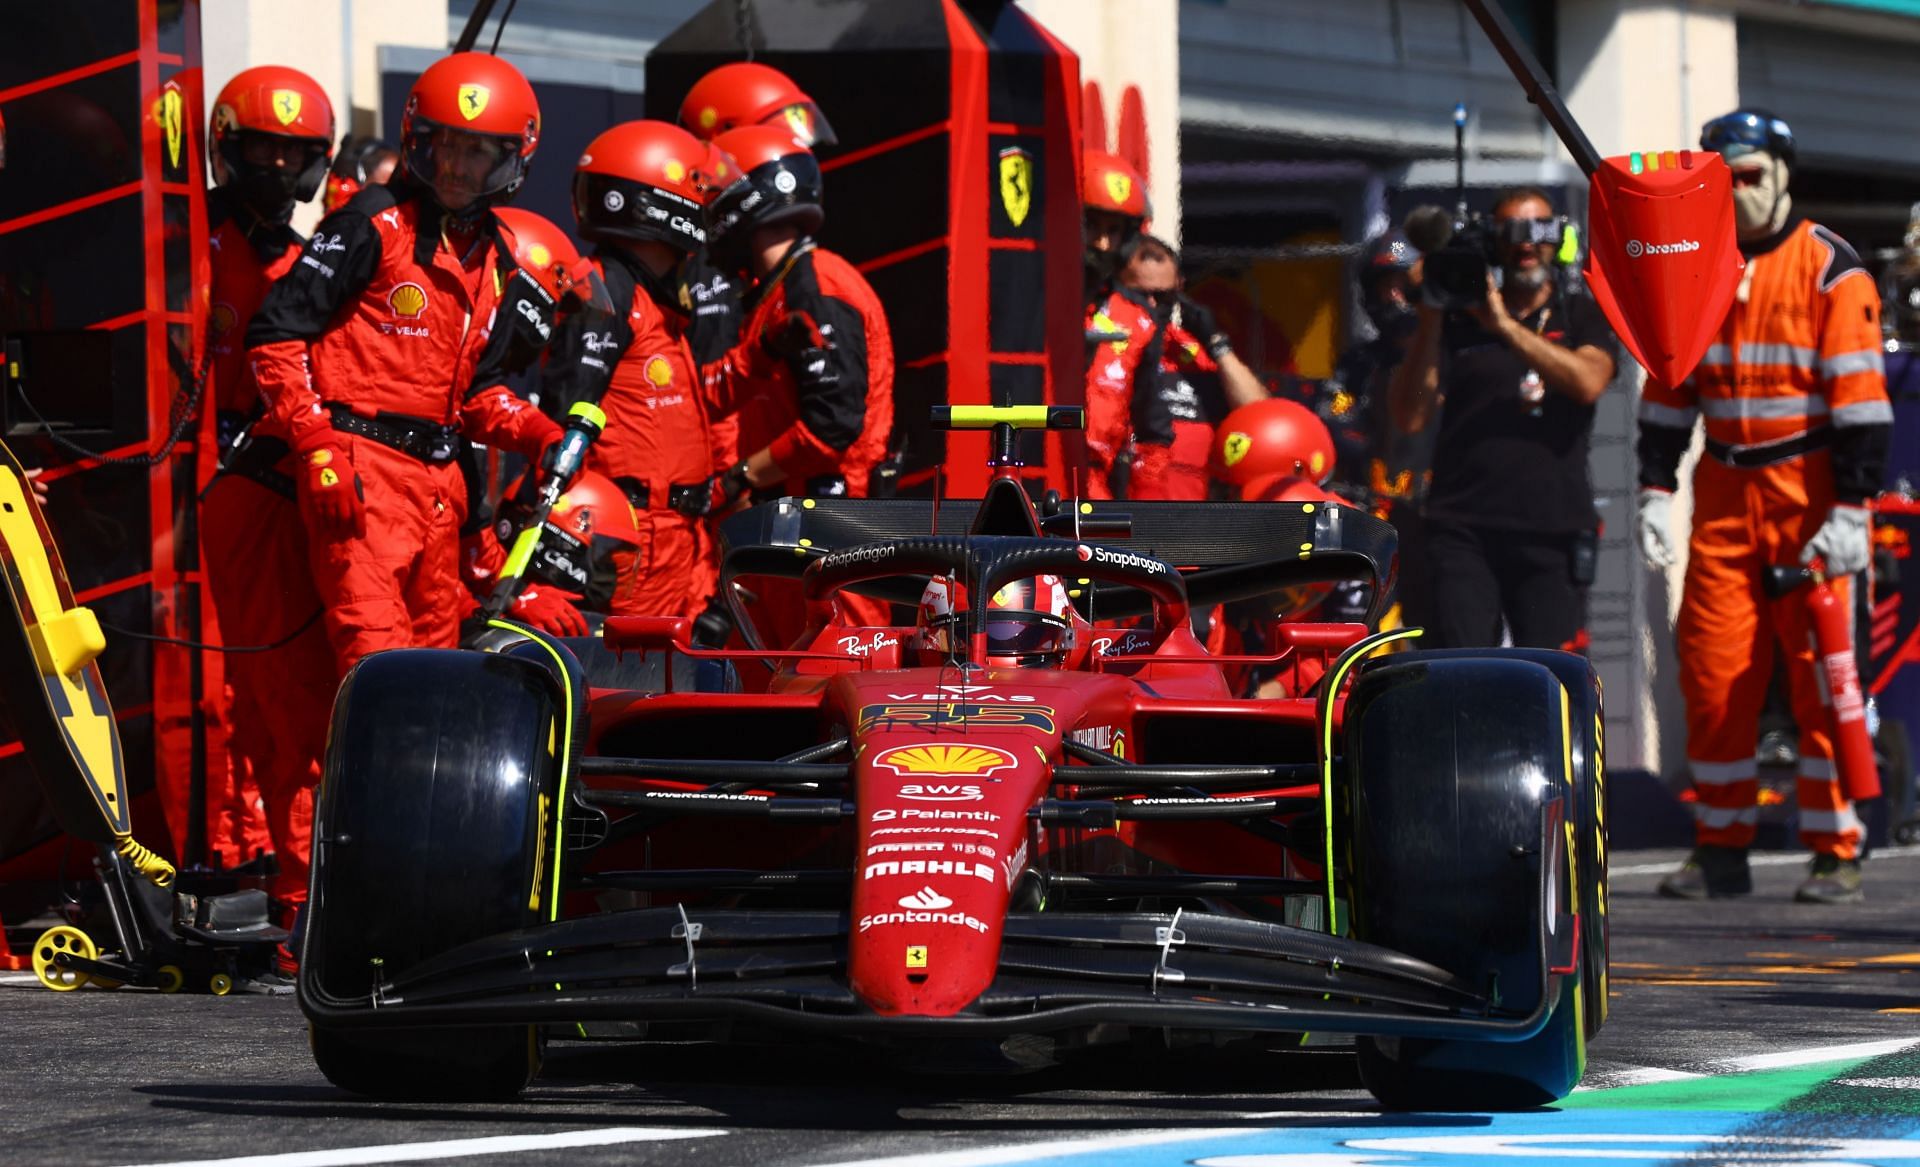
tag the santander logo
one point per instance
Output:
(925, 900)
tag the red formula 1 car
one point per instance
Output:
(963, 829)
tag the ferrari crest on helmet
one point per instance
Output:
(1119, 186)
(286, 105)
(800, 121)
(1016, 183)
(473, 100)
(1235, 447)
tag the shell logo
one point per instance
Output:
(676, 170)
(1119, 186)
(286, 105)
(659, 372)
(539, 256)
(407, 300)
(944, 761)
(1235, 447)
(221, 319)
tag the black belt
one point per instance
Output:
(1770, 453)
(679, 494)
(426, 440)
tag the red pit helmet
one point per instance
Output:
(778, 182)
(1270, 439)
(1110, 183)
(644, 180)
(744, 93)
(1030, 623)
(479, 95)
(264, 103)
(590, 541)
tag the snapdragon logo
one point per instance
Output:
(1099, 554)
(1636, 248)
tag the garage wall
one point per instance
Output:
(1382, 73)
(1850, 98)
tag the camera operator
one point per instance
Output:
(1510, 377)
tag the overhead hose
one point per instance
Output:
(150, 866)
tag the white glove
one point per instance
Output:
(1654, 524)
(1843, 540)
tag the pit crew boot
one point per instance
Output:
(1833, 880)
(1710, 873)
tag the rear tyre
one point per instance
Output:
(1446, 756)
(440, 782)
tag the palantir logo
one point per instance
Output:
(925, 900)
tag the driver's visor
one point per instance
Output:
(1035, 634)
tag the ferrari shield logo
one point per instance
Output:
(1016, 183)
(1235, 448)
(473, 101)
(286, 106)
(1119, 186)
(172, 113)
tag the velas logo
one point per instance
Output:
(659, 372)
(407, 300)
(926, 900)
(1235, 447)
(473, 100)
(286, 106)
(1083, 552)
(945, 761)
(1119, 186)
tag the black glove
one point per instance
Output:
(719, 492)
(798, 341)
(1198, 319)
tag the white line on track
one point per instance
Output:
(1783, 859)
(454, 1148)
(1781, 1060)
(18, 979)
(989, 1156)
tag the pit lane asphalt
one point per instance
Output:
(132, 1077)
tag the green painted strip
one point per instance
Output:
(1760, 1090)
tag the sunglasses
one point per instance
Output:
(1749, 131)
(1515, 232)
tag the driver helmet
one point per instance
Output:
(590, 543)
(1030, 623)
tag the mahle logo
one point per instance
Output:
(1636, 248)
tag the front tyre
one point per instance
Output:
(440, 783)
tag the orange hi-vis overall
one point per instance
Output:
(1794, 402)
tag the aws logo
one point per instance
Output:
(407, 300)
(945, 761)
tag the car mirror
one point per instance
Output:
(647, 633)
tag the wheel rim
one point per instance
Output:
(53, 942)
(169, 978)
(220, 984)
